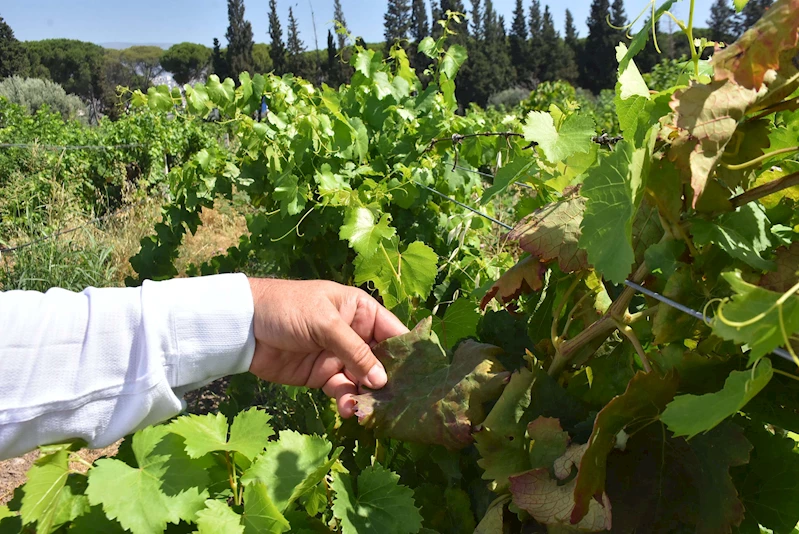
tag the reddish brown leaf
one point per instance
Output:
(522, 278)
(759, 49)
(787, 274)
(552, 233)
(427, 399)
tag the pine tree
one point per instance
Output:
(219, 64)
(13, 59)
(722, 21)
(598, 69)
(420, 27)
(536, 43)
(551, 52)
(240, 39)
(338, 16)
(519, 49)
(277, 50)
(397, 21)
(751, 13)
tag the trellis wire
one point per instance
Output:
(486, 175)
(69, 147)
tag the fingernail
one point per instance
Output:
(376, 378)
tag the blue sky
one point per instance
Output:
(173, 21)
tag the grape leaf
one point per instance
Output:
(217, 517)
(164, 488)
(743, 234)
(670, 324)
(610, 375)
(750, 302)
(459, 322)
(662, 258)
(46, 481)
(646, 396)
(612, 191)
(452, 513)
(786, 274)
(769, 485)
(642, 37)
(380, 503)
(715, 453)
(573, 136)
(548, 441)
(761, 48)
(689, 415)
(399, 275)
(291, 466)
(291, 194)
(552, 232)
(708, 116)
(494, 518)
(524, 277)
(550, 503)
(260, 513)
(428, 400)
(363, 232)
(508, 175)
(207, 433)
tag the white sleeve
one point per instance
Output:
(100, 364)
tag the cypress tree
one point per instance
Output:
(397, 21)
(750, 14)
(570, 50)
(277, 50)
(551, 52)
(331, 68)
(420, 27)
(218, 62)
(295, 49)
(478, 24)
(240, 39)
(618, 21)
(536, 43)
(338, 16)
(519, 50)
(570, 36)
(461, 29)
(13, 59)
(722, 21)
(598, 69)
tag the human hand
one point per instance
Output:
(318, 334)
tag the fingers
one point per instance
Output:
(387, 325)
(342, 389)
(356, 355)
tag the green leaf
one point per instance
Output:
(380, 503)
(646, 396)
(424, 386)
(786, 274)
(605, 377)
(398, 276)
(553, 232)
(291, 466)
(363, 232)
(427, 46)
(207, 433)
(573, 136)
(218, 518)
(220, 93)
(769, 485)
(689, 415)
(508, 175)
(494, 518)
(459, 322)
(164, 488)
(740, 4)
(716, 452)
(260, 513)
(612, 192)
(160, 99)
(290, 193)
(453, 59)
(548, 441)
(752, 316)
(45, 484)
(642, 37)
(452, 514)
(670, 324)
(197, 99)
(5, 512)
(743, 234)
(662, 257)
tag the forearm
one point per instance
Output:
(100, 364)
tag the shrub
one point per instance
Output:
(508, 98)
(33, 93)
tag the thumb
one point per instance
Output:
(356, 355)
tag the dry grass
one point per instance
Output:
(221, 228)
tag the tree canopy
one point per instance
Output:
(186, 61)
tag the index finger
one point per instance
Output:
(387, 325)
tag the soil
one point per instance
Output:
(12, 472)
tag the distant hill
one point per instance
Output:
(120, 46)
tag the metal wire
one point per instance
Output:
(685, 309)
(68, 147)
(461, 204)
(486, 175)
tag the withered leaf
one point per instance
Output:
(427, 399)
(760, 49)
(522, 278)
(552, 233)
(787, 273)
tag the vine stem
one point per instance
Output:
(759, 159)
(559, 310)
(690, 34)
(765, 190)
(630, 334)
(601, 328)
(643, 314)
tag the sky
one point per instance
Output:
(172, 21)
